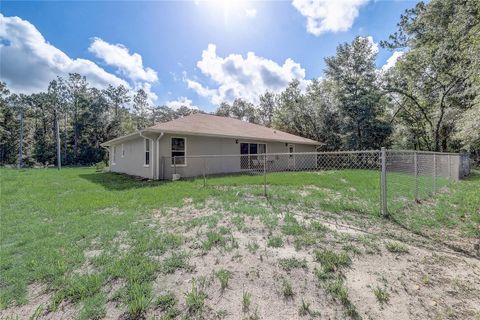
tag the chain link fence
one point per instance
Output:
(391, 178)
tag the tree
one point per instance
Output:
(290, 115)
(266, 108)
(77, 90)
(354, 79)
(55, 97)
(141, 107)
(323, 109)
(8, 127)
(433, 83)
(117, 97)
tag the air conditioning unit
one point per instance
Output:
(176, 176)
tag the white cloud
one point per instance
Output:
(28, 62)
(181, 102)
(239, 77)
(117, 55)
(328, 15)
(374, 45)
(392, 60)
(251, 12)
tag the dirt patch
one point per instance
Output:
(38, 299)
(420, 285)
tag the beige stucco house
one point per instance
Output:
(175, 146)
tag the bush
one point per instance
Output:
(100, 166)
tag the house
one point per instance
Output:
(175, 146)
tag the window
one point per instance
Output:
(147, 152)
(178, 151)
(113, 155)
(123, 151)
(249, 160)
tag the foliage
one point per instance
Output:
(85, 116)
(436, 79)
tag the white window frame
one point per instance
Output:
(145, 143)
(113, 155)
(123, 150)
(257, 143)
(185, 151)
(251, 154)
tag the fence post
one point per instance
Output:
(175, 164)
(415, 164)
(383, 180)
(265, 174)
(434, 173)
(204, 172)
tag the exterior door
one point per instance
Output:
(291, 157)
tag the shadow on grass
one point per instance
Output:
(118, 181)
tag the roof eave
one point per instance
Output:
(309, 142)
(115, 141)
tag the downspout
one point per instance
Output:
(158, 154)
(145, 137)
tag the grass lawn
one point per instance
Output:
(97, 244)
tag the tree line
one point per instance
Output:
(428, 100)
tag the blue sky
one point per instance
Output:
(106, 41)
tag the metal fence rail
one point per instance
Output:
(400, 176)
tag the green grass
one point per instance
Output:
(289, 264)
(381, 294)
(332, 261)
(275, 242)
(223, 276)
(396, 247)
(50, 219)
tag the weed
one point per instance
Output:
(166, 301)
(223, 276)
(138, 299)
(195, 300)
(304, 308)
(246, 301)
(214, 239)
(239, 222)
(305, 240)
(38, 312)
(332, 261)
(338, 291)
(287, 290)
(252, 246)
(275, 242)
(93, 307)
(288, 264)
(352, 248)
(396, 247)
(168, 304)
(291, 226)
(174, 262)
(426, 279)
(381, 294)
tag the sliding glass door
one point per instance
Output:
(248, 152)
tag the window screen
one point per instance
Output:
(178, 151)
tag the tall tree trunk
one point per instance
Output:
(57, 134)
(75, 135)
(65, 138)
(20, 144)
